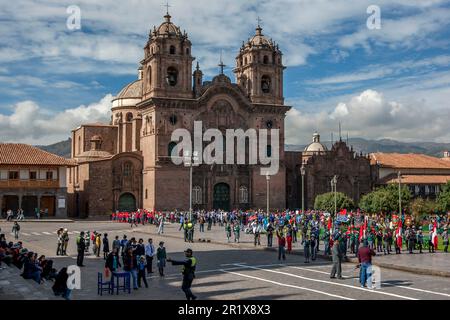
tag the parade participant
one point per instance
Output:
(306, 248)
(236, 231)
(445, 239)
(270, 230)
(188, 271)
(430, 241)
(160, 224)
(257, 228)
(65, 242)
(149, 254)
(141, 272)
(281, 244)
(379, 237)
(16, 229)
(81, 246)
(289, 239)
(365, 259)
(337, 259)
(352, 240)
(105, 246)
(420, 239)
(326, 241)
(161, 257)
(130, 265)
(313, 243)
(228, 231)
(190, 231)
(59, 241)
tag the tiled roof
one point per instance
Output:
(417, 179)
(24, 154)
(409, 160)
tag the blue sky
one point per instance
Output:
(388, 83)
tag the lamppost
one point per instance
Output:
(268, 190)
(333, 189)
(399, 194)
(302, 172)
(190, 161)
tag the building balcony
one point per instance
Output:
(31, 184)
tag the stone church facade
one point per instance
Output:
(126, 164)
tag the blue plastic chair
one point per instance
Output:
(126, 282)
(103, 285)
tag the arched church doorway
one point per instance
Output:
(221, 197)
(127, 202)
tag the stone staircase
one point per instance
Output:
(15, 287)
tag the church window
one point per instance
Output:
(197, 195)
(269, 124)
(269, 151)
(265, 84)
(172, 76)
(243, 194)
(172, 50)
(129, 116)
(146, 193)
(170, 148)
(187, 51)
(149, 76)
(127, 168)
(173, 119)
(266, 60)
(245, 60)
(79, 145)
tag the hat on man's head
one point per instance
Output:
(188, 250)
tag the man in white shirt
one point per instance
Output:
(149, 253)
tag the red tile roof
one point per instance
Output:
(24, 154)
(409, 160)
(417, 179)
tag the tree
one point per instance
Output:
(421, 207)
(325, 202)
(443, 199)
(385, 199)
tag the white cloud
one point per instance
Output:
(30, 123)
(371, 115)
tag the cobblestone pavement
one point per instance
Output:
(225, 271)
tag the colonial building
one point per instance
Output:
(320, 165)
(32, 179)
(424, 175)
(126, 164)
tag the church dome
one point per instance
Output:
(132, 90)
(316, 146)
(167, 29)
(259, 40)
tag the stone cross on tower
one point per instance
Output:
(167, 7)
(259, 20)
(221, 65)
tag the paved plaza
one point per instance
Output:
(225, 270)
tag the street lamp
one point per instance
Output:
(268, 190)
(190, 161)
(399, 193)
(333, 189)
(302, 172)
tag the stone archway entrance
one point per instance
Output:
(127, 202)
(221, 196)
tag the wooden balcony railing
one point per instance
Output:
(29, 183)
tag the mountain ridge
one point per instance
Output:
(436, 149)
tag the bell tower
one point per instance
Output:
(167, 66)
(259, 69)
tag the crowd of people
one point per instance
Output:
(33, 267)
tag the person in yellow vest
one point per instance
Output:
(188, 272)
